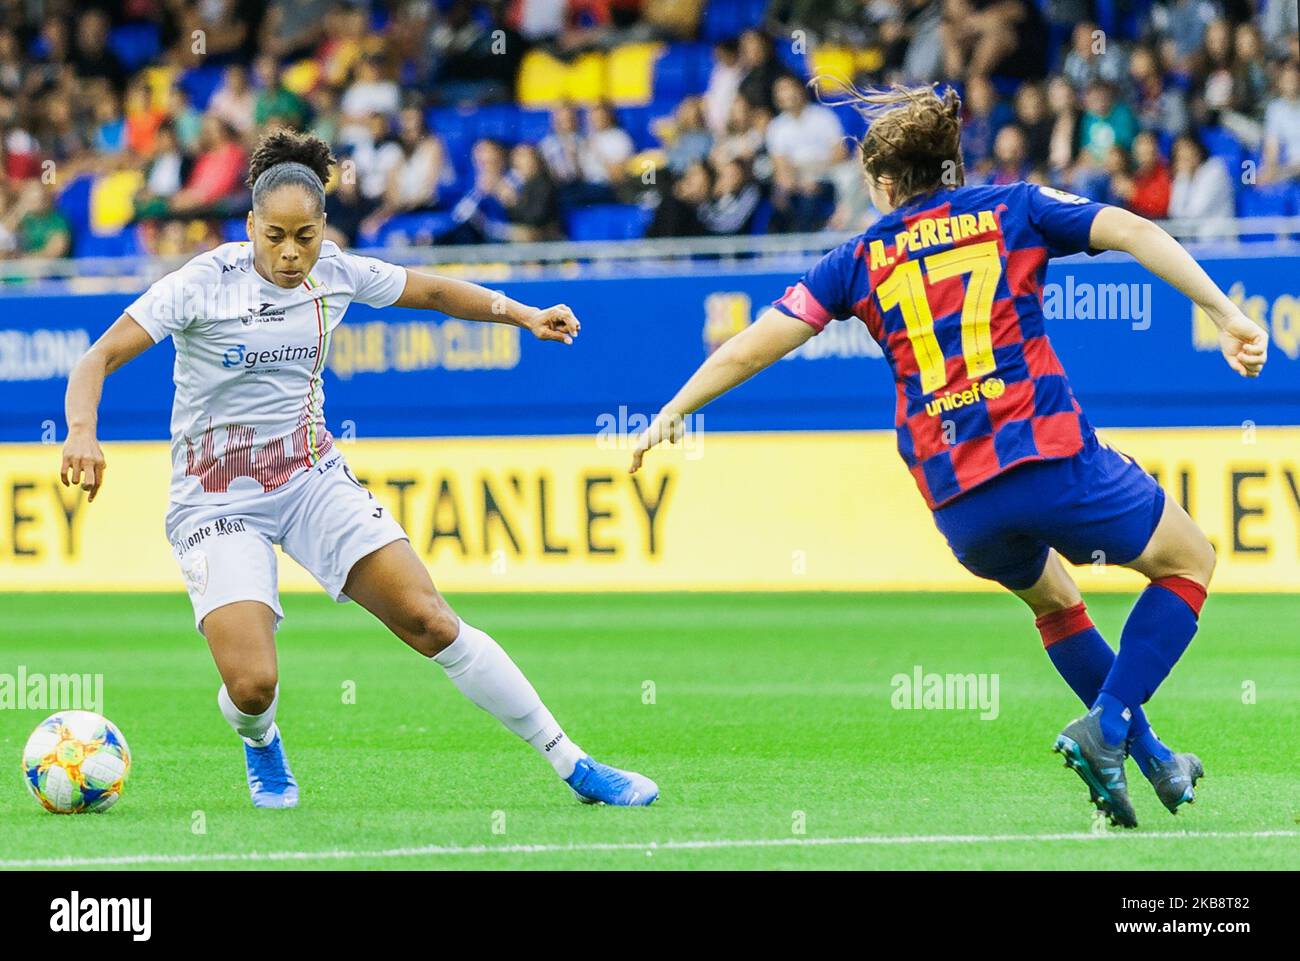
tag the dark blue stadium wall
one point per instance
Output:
(397, 373)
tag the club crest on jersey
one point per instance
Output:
(264, 313)
(195, 570)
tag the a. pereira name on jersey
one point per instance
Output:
(240, 356)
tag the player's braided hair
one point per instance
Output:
(913, 136)
(283, 157)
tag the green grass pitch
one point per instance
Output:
(769, 729)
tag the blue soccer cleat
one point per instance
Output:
(596, 783)
(270, 782)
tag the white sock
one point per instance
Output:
(257, 730)
(485, 674)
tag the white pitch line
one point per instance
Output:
(713, 844)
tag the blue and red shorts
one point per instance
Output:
(1098, 506)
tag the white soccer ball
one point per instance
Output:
(76, 762)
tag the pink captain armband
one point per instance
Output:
(799, 302)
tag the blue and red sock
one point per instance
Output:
(1083, 658)
(1158, 630)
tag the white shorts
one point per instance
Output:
(323, 518)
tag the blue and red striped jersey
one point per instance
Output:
(951, 287)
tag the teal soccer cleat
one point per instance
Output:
(1099, 765)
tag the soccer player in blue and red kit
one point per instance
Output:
(949, 282)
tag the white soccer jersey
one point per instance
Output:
(249, 409)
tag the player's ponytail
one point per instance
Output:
(283, 157)
(913, 136)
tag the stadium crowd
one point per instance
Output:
(126, 127)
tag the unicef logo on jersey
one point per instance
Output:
(240, 356)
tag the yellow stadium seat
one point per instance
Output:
(112, 200)
(301, 78)
(542, 80)
(834, 62)
(585, 81)
(160, 81)
(869, 60)
(629, 70)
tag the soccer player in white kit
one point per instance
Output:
(253, 464)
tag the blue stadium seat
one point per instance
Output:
(200, 84)
(498, 121)
(1221, 143)
(135, 44)
(124, 243)
(608, 222)
(534, 125)
(234, 229)
(415, 229)
(727, 19)
(74, 204)
(795, 62)
(637, 120)
(855, 125)
(683, 70)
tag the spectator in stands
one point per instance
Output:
(687, 138)
(41, 231)
(345, 208)
(110, 126)
(1182, 24)
(804, 140)
(678, 213)
(1212, 69)
(475, 61)
(1093, 56)
(163, 174)
(678, 19)
(13, 65)
(921, 34)
(143, 119)
(64, 141)
(1010, 157)
(605, 150)
(562, 148)
(326, 122)
(1159, 106)
(292, 28)
(1032, 118)
(987, 37)
(218, 170)
(91, 55)
(1202, 187)
(374, 154)
(229, 29)
(733, 202)
(1281, 154)
(819, 19)
(745, 135)
(1064, 105)
(1144, 190)
(529, 197)
(187, 121)
(235, 102)
(345, 39)
(480, 215)
(370, 92)
(276, 103)
(416, 177)
(760, 69)
(986, 114)
(53, 59)
(1106, 121)
(1279, 22)
(724, 86)
(1243, 115)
